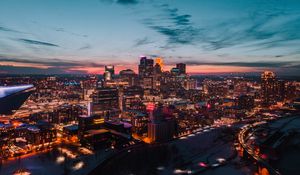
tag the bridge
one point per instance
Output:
(263, 167)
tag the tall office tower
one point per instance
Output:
(107, 76)
(145, 67)
(132, 98)
(189, 84)
(161, 126)
(160, 62)
(129, 76)
(146, 71)
(110, 69)
(280, 90)
(157, 76)
(268, 88)
(181, 67)
(105, 101)
(157, 69)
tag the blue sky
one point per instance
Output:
(78, 36)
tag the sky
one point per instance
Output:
(210, 36)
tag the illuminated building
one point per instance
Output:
(91, 122)
(175, 71)
(41, 133)
(110, 69)
(65, 114)
(109, 72)
(157, 76)
(12, 97)
(181, 67)
(95, 139)
(161, 126)
(118, 127)
(129, 76)
(70, 130)
(145, 67)
(105, 101)
(268, 88)
(116, 83)
(246, 102)
(139, 121)
(281, 90)
(107, 76)
(146, 71)
(160, 62)
(291, 91)
(132, 98)
(189, 84)
(148, 82)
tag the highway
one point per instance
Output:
(251, 152)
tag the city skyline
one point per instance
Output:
(57, 37)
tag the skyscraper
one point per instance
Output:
(146, 71)
(109, 72)
(268, 88)
(160, 62)
(181, 67)
(107, 76)
(129, 76)
(105, 101)
(161, 126)
(145, 67)
(110, 69)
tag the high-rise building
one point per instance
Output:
(280, 90)
(105, 101)
(107, 76)
(268, 88)
(110, 69)
(161, 126)
(160, 62)
(181, 67)
(189, 84)
(129, 76)
(132, 98)
(175, 71)
(291, 91)
(145, 67)
(146, 72)
(157, 76)
(109, 72)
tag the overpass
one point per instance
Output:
(264, 168)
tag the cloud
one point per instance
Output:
(35, 42)
(176, 27)
(253, 31)
(143, 41)
(87, 46)
(126, 2)
(5, 29)
(261, 64)
(31, 70)
(257, 31)
(69, 32)
(121, 2)
(54, 62)
(12, 65)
